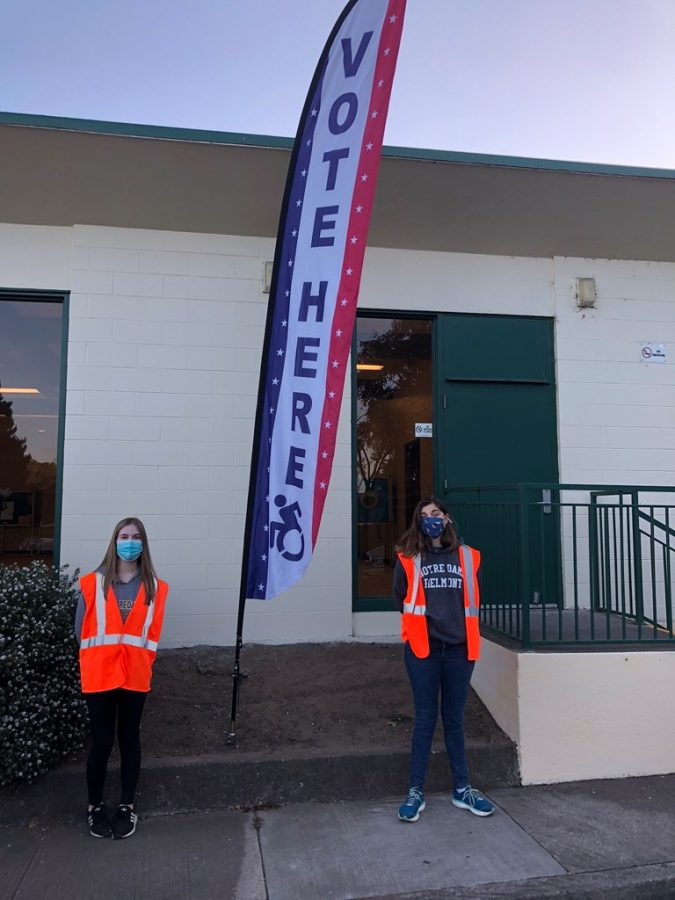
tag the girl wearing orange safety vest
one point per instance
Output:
(118, 624)
(436, 588)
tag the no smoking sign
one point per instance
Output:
(653, 353)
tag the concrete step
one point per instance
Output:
(228, 780)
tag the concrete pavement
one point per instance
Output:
(603, 839)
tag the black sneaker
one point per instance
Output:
(124, 822)
(98, 821)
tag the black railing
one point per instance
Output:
(573, 564)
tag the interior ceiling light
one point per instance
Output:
(368, 367)
(4, 390)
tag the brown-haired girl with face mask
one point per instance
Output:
(436, 589)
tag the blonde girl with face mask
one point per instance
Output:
(118, 625)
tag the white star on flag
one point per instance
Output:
(369, 145)
(266, 527)
(324, 455)
(263, 557)
(359, 209)
(322, 485)
(348, 271)
(326, 424)
(295, 234)
(280, 352)
(331, 394)
(392, 19)
(315, 111)
(387, 51)
(290, 263)
(354, 239)
(304, 172)
(261, 587)
(373, 114)
(284, 323)
(343, 302)
(275, 381)
(380, 83)
(338, 333)
(364, 177)
(335, 364)
(298, 202)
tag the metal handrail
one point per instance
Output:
(592, 589)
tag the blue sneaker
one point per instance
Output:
(469, 798)
(413, 806)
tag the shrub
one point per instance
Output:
(42, 716)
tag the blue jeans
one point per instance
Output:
(446, 671)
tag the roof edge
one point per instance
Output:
(271, 142)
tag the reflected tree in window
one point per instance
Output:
(404, 355)
(14, 457)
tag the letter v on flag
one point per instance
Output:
(318, 261)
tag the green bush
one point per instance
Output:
(42, 716)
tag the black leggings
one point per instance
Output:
(104, 707)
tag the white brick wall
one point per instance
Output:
(165, 336)
(616, 413)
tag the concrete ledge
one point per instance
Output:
(576, 716)
(656, 882)
(175, 785)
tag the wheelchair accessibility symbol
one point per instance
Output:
(286, 536)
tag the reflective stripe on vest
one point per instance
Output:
(102, 640)
(470, 581)
(410, 607)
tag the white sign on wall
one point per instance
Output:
(424, 429)
(653, 353)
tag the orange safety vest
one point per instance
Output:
(414, 618)
(115, 654)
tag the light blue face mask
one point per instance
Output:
(129, 550)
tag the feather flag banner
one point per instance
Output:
(315, 285)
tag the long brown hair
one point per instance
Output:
(414, 541)
(109, 564)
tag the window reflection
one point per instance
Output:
(30, 366)
(394, 459)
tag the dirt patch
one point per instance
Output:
(313, 698)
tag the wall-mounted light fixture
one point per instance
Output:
(368, 367)
(586, 293)
(267, 276)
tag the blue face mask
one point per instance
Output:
(432, 526)
(129, 550)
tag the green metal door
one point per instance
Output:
(498, 429)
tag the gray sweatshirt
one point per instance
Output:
(125, 593)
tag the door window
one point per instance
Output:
(394, 443)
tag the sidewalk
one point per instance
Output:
(602, 839)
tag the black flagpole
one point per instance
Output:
(255, 450)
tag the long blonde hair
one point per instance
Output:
(109, 564)
(414, 541)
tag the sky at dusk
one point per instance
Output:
(586, 80)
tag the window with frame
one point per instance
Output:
(31, 351)
(394, 447)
